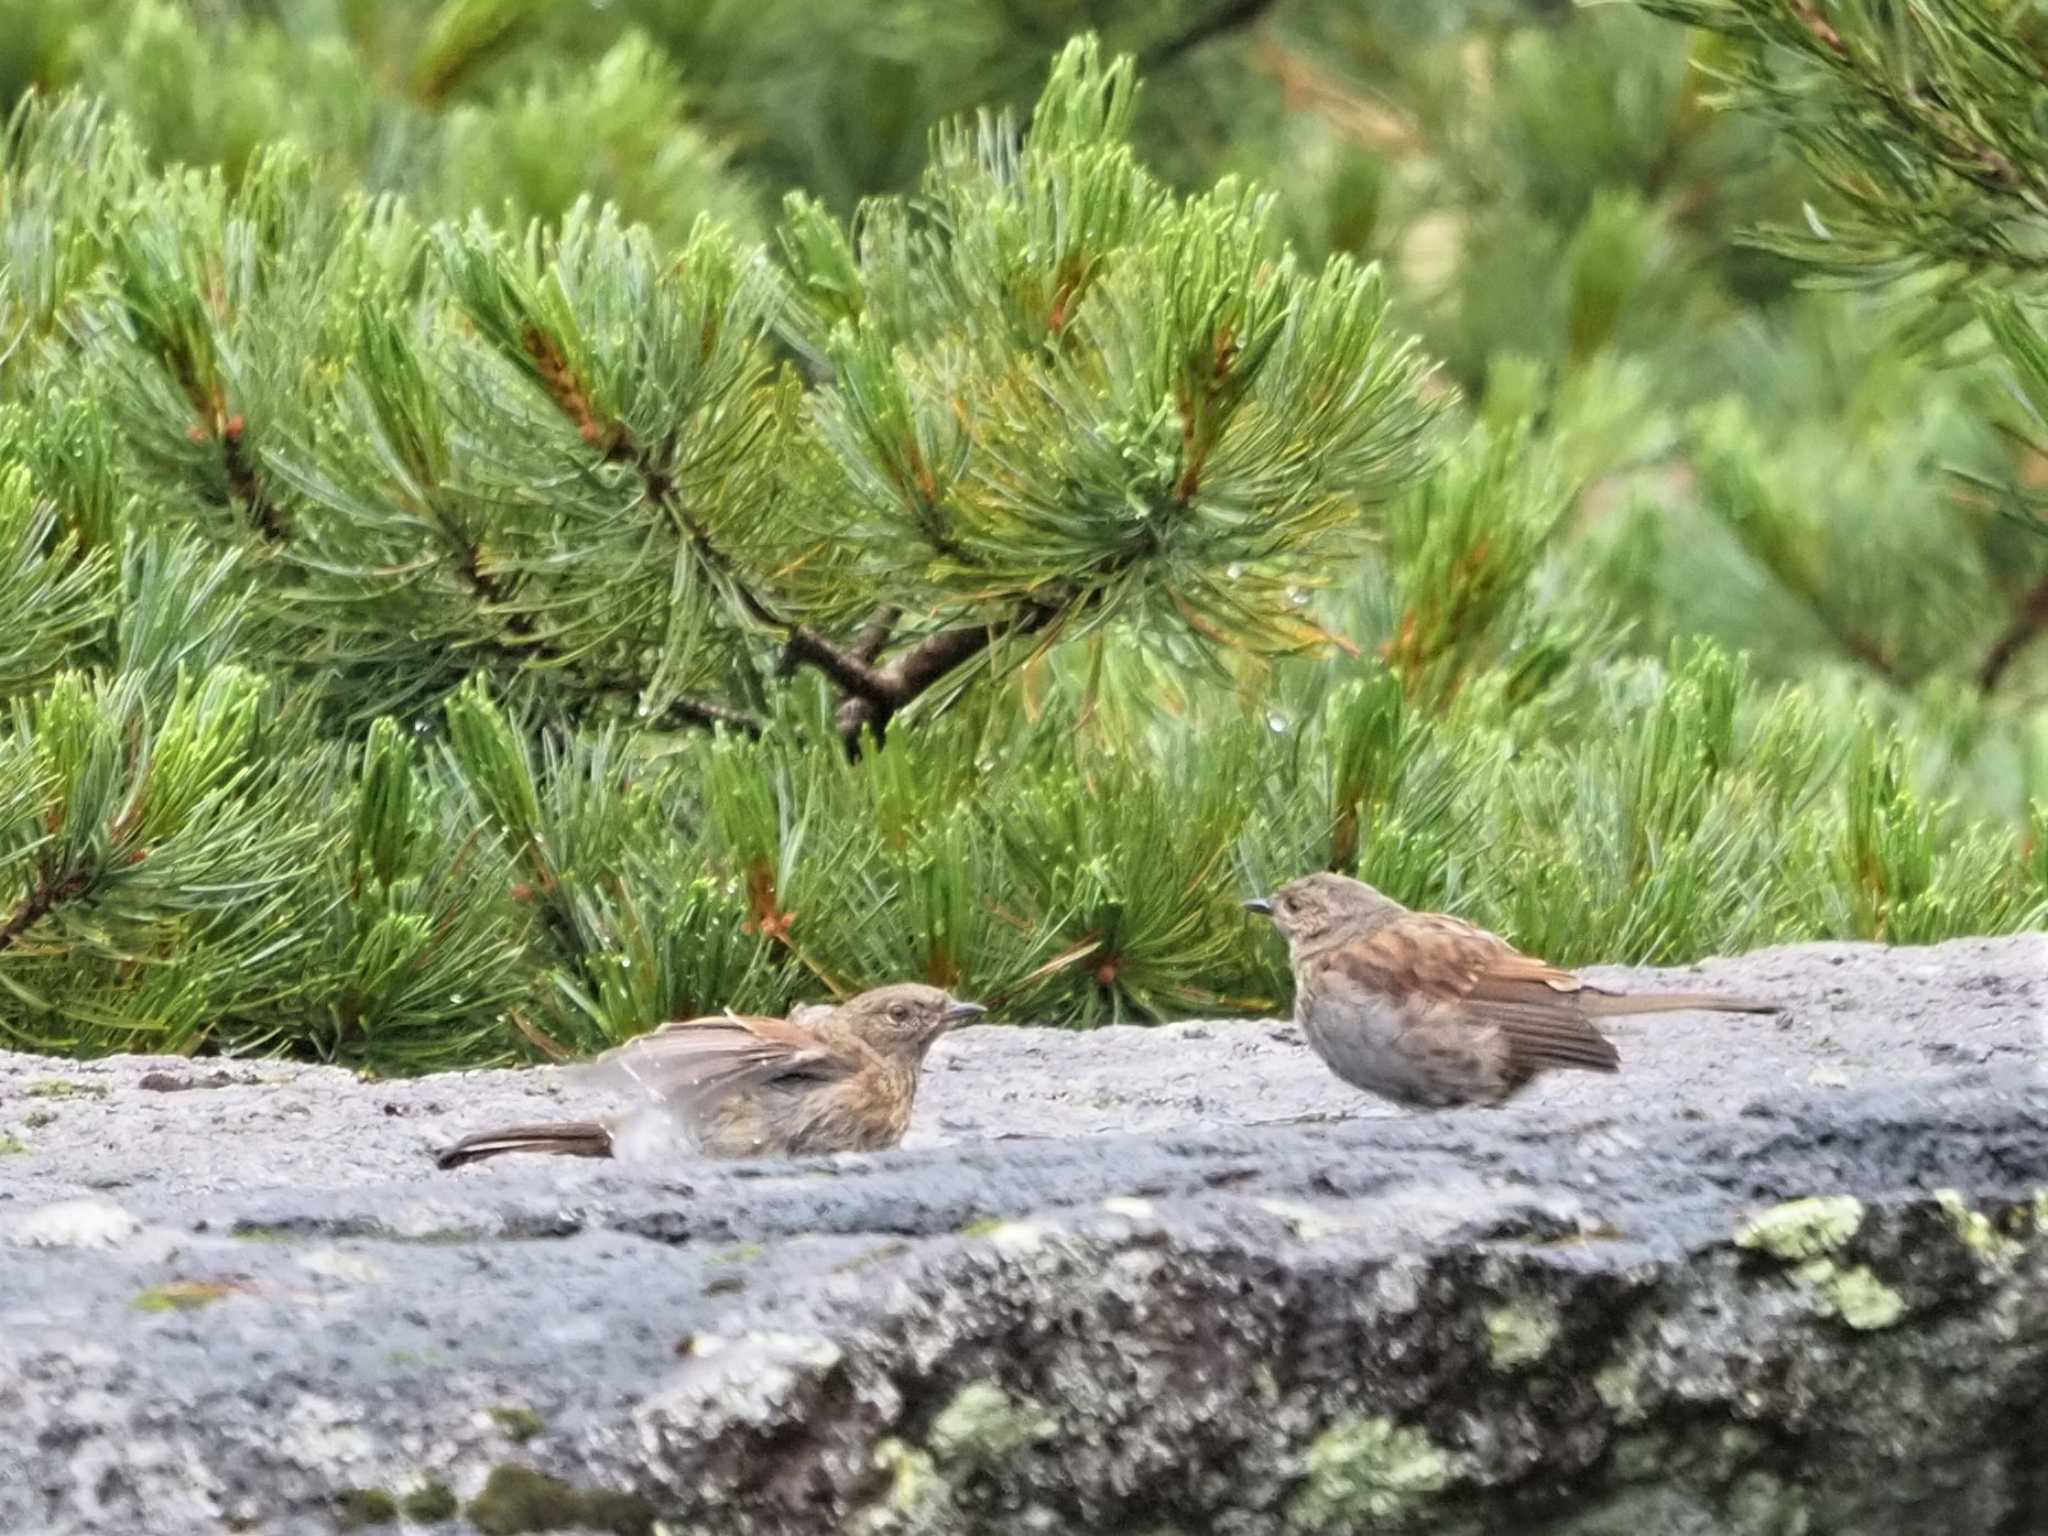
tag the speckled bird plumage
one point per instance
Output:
(1431, 1012)
(828, 1079)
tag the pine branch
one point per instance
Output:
(849, 670)
(925, 663)
(48, 894)
(1982, 164)
(246, 486)
(1947, 81)
(485, 585)
(1823, 33)
(684, 710)
(461, 37)
(868, 644)
(529, 644)
(932, 658)
(852, 675)
(1228, 17)
(2027, 625)
(846, 669)
(874, 635)
(1864, 649)
(708, 714)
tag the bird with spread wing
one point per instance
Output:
(828, 1079)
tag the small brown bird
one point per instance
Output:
(1432, 1012)
(831, 1079)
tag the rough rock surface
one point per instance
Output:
(1782, 1276)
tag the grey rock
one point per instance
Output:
(1781, 1276)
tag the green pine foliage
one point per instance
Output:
(485, 571)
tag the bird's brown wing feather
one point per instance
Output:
(585, 1138)
(692, 1064)
(1427, 957)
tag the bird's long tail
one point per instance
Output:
(584, 1138)
(1607, 1005)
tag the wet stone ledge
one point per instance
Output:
(1782, 1277)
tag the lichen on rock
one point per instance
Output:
(1139, 1332)
(1806, 1233)
(984, 1424)
(1854, 1294)
(516, 1500)
(1364, 1470)
(914, 1496)
(1520, 1333)
(1617, 1384)
(1975, 1231)
(1803, 1229)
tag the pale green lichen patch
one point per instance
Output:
(437, 1237)
(1366, 1470)
(11, 1146)
(62, 1088)
(1734, 1448)
(1619, 1384)
(1974, 1229)
(1803, 1229)
(1641, 1459)
(1519, 1333)
(914, 1495)
(516, 1423)
(1309, 1224)
(1805, 1233)
(182, 1296)
(1855, 1295)
(1738, 1442)
(1015, 1237)
(881, 1252)
(430, 1504)
(1762, 1505)
(358, 1509)
(983, 1424)
(518, 1499)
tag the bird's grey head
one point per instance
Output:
(905, 1018)
(1324, 908)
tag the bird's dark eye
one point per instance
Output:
(899, 1012)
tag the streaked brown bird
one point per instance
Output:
(837, 1079)
(1431, 1012)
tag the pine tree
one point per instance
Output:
(1922, 123)
(452, 618)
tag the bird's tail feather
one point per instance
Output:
(581, 1139)
(1609, 1005)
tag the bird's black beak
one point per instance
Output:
(959, 1013)
(1261, 905)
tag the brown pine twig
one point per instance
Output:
(2027, 625)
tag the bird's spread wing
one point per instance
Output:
(1427, 957)
(691, 1064)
